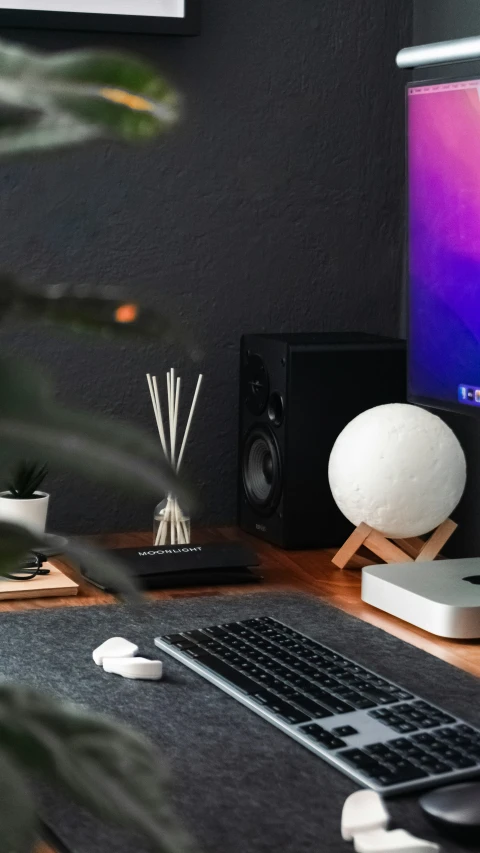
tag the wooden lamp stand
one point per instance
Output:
(395, 550)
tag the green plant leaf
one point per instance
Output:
(77, 96)
(109, 571)
(18, 821)
(108, 311)
(114, 772)
(33, 424)
(108, 69)
(15, 543)
(113, 117)
(44, 134)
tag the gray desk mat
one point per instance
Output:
(239, 784)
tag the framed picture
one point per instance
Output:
(170, 17)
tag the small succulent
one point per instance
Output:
(26, 479)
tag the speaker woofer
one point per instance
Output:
(262, 475)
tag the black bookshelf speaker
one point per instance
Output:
(297, 392)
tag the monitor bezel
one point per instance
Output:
(429, 402)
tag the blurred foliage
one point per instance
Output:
(32, 423)
(15, 543)
(107, 767)
(49, 102)
(102, 310)
(79, 96)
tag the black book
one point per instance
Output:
(164, 566)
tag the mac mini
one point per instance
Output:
(441, 596)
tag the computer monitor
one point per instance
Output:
(443, 133)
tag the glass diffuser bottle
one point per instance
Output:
(170, 525)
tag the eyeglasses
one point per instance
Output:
(30, 569)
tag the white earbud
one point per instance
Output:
(143, 668)
(365, 820)
(396, 841)
(115, 647)
(363, 811)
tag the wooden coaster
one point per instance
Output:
(43, 586)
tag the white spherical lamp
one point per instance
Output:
(399, 469)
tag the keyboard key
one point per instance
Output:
(454, 739)
(401, 744)
(215, 647)
(424, 739)
(385, 755)
(462, 743)
(434, 713)
(320, 735)
(238, 679)
(195, 652)
(399, 695)
(467, 731)
(434, 767)
(453, 757)
(303, 685)
(381, 697)
(336, 705)
(402, 726)
(389, 718)
(417, 755)
(215, 631)
(313, 708)
(362, 761)
(378, 682)
(178, 640)
(345, 731)
(337, 671)
(197, 637)
(474, 751)
(327, 682)
(237, 628)
(420, 703)
(458, 760)
(444, 719)
(380, 714)
(281, 708)
(311, 656)
(406, 772)
(305, 669)
(358, 670)
(355, 699)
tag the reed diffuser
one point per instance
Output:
(170, 525)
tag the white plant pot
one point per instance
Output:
(30, 512)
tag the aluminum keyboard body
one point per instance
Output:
(379, 734)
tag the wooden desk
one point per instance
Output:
(307, 571)
(310, 571)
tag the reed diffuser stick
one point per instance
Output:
(189, 421)
(173, 528)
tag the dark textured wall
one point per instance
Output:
(275, 205)
(437, 20)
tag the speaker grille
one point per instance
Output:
(262, 476)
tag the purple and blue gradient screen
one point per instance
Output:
(444, 242)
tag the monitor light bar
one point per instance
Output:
(439, 52)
